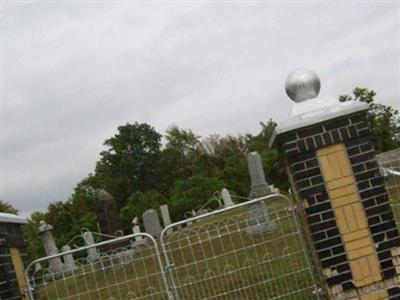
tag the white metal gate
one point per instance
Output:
(391, 171)
(253, 250)
(240, 253)
(131, 270)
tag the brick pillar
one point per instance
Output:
(342, 196)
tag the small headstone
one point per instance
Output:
(136, 229)
(92, 253)
(68, 258)
(259, 221)
(151, 223)
(274, 190)
(226, 197)
(45, 231)
(165, 216)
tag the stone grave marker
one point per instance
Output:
(259, 221)
(68, 259)
(151, 223)
(166, 217)
(45, 231)
(226, 197)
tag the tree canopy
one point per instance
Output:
(6, 207)
(184, 171)
(384, 120)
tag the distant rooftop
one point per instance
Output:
(11, 218)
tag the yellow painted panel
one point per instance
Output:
(350, 216)
(360, 215)
(356, 272)
(358, 244)
(362, 252)
(334, 166)
(329, 174)
(340, 182)
(19, 268)
(374, 264)
(348, 211)
(347, 190)
(355, 235)
(331, 149)
(354, 254)
(345, 200)
(366, 270)
(367, 251)
(342, 160)
(341, 220)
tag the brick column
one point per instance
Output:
(341, 193)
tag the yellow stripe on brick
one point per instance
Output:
(350, 216)
(355, 235)
(345, 200)
(18, 268)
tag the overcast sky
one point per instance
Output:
(73, 72)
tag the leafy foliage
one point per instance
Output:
(190, 194)
(128, 164)
(384, 121)
(137, 204)
(185, 172)
(6, 207)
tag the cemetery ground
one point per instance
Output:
(214, 258)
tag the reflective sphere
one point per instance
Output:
(302, 84)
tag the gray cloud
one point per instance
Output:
(74, 72)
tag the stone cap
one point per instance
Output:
(44, 227)
(12, 218)
(315, 111)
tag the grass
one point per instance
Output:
(393, 188)
(215, 258)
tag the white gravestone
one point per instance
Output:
(151, 223)
(166, 217)
(136, 229)
(92, 253)
(226, 197)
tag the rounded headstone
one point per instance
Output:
(302, 84)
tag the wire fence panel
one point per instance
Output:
(390, 169)
(253, 250)
(132, 269)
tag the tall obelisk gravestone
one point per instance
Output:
(335, 176)
(56, 266)
(259, 220)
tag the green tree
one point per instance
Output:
(129, 163)
(383, 120)
(228, 157)
(274, 166)
(6, 207)
(177, 157)
(34, 244)
(192, 193)
(137, 204)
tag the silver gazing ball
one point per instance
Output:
(302, 84)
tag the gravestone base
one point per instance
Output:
(259, 221)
